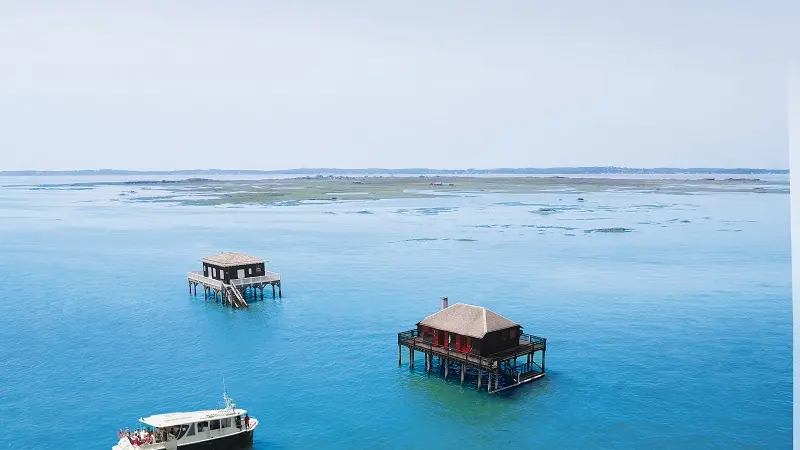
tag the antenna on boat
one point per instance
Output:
(228, 401)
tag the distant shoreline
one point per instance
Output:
(417, 171)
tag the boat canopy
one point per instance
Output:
(185, 418)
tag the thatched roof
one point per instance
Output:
(231, 259)
(467, 320)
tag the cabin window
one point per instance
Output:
(226, 422)
(214, 425)
(202, 426)
(191, 430)
(182, 431)
(258, 269)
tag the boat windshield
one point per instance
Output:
(173, 433)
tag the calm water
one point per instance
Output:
(676, 334)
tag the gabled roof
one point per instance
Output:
(230, 259)
(467, 320)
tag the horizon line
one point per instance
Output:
(553, 169)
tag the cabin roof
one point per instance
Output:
(467, 320)
(185, 418)
(230, 259)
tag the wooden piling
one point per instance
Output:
(543, 353)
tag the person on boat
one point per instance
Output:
(246, 421)
(121, 433)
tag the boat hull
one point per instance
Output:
(223, 443)
(232, 441)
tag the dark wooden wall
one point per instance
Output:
(232, 273)
(493, 342)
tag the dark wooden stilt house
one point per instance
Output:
(473, 339)
(230, 275)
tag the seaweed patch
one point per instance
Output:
(609, 230)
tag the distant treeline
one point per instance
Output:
(419, 171)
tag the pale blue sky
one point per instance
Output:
(442, 84)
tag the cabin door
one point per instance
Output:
(458, 342)
(240, 273)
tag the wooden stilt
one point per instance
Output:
(280, 294)
(543, 352)
(479, 378)
(411, 358)
(463, 372)
(399, 355)
(446, 366)
(273, 291)
(496, 378)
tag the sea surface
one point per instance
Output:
(667, 318)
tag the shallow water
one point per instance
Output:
(675, 333)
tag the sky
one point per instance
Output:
(160, 85)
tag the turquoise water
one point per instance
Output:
(668, 319)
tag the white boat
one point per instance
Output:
(224, 428)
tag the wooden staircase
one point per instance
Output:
(235, 297)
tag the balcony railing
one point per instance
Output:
(533, 339)
(472, 356)
(198, 277)
(443, 350)
(268, 277)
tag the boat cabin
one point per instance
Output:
(469, 329)
(229, 266)
(188, 428)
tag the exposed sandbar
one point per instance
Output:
(337, 189)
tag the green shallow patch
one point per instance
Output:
(205, 192)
